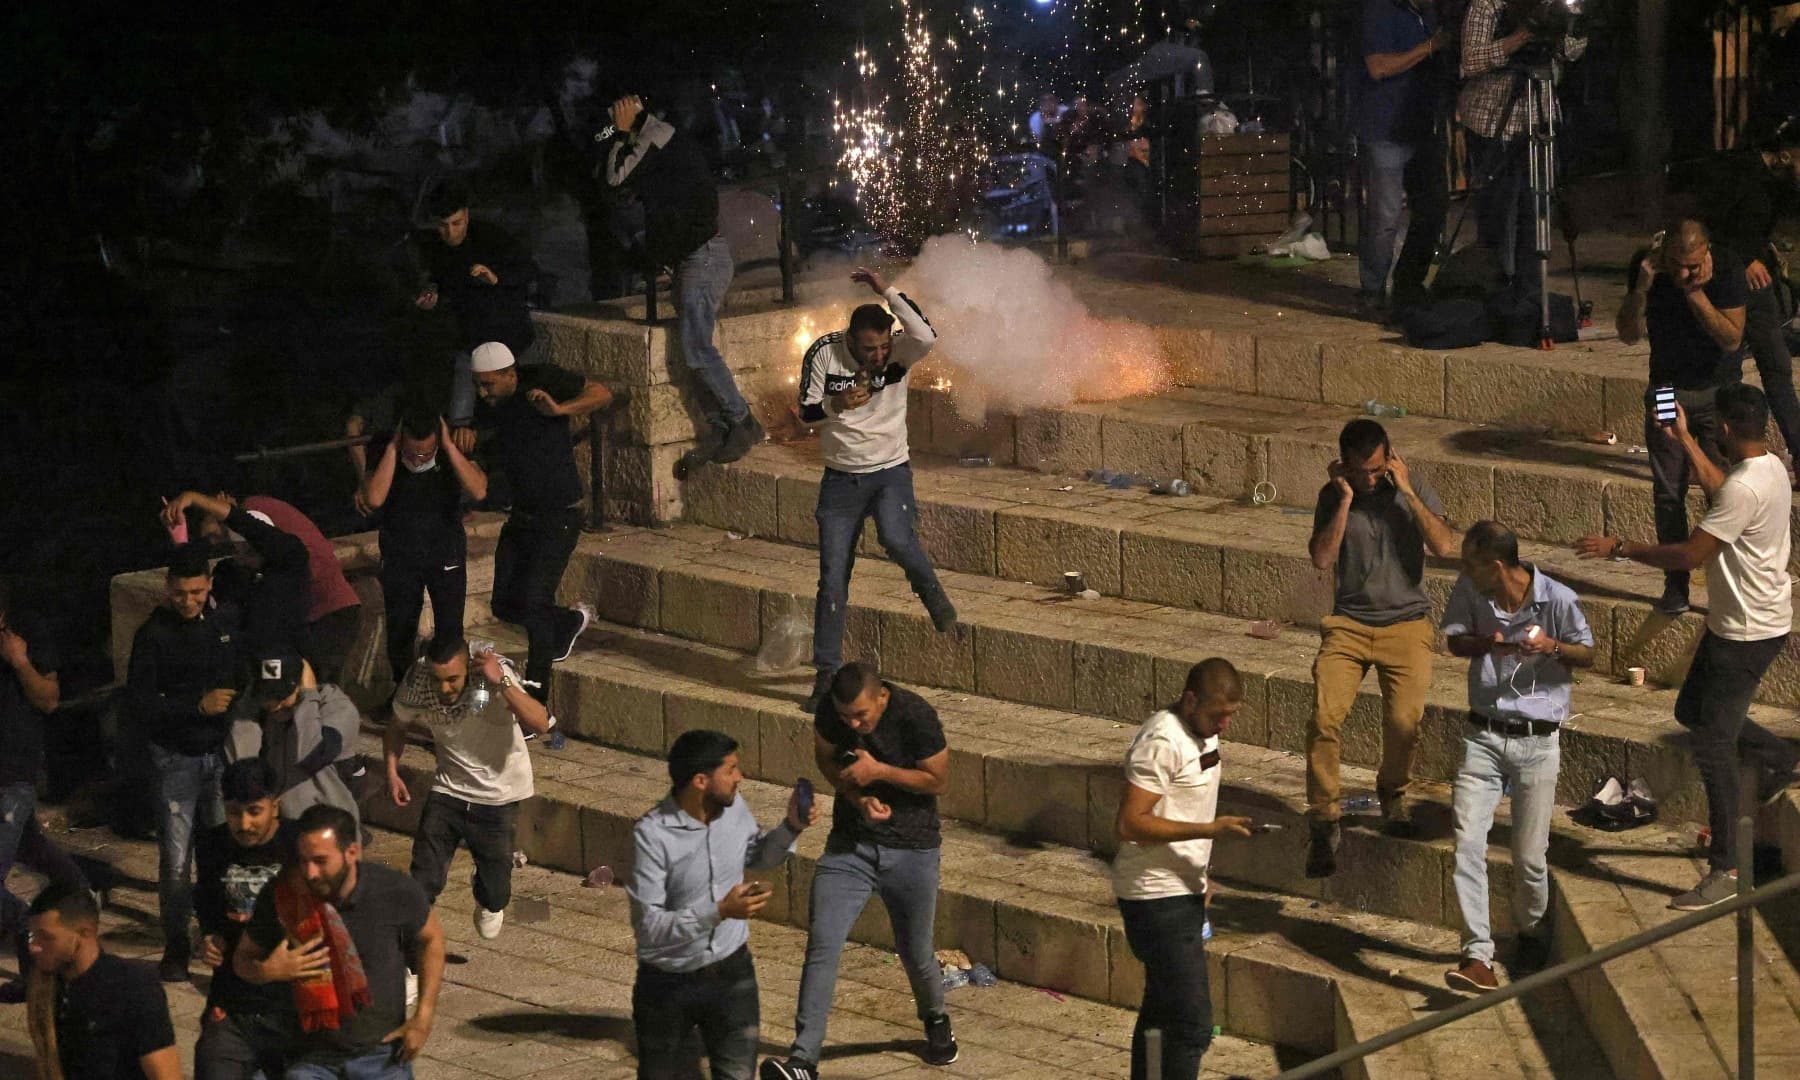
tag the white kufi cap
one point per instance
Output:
(492, 356)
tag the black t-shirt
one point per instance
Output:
(227, 881)
(21, 725)
(422, 518)
(385, 914)
(1682, 353)
(908, 733)
(109, 1017)
(535, 450)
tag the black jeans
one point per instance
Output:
(719, 999)
(488, 831)
(1714, 705)
(1670, 471)
(1763, 336)
(405, 579)
(1166, 935)
(238, 1047)
(529, 561)
(1504, 221)
(328, 642)
(22, 840)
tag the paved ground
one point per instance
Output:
(552, 999)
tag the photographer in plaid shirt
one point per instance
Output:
(1492, 77)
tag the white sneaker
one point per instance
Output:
(412, 990)
(587, 613)
(487, 923)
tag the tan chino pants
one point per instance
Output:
(1401, 655)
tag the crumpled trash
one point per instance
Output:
(979, 975)
(1221, 121)
(785, 647)
(1619, 804)
(954, 958)
(955, 978)
(1311, 246)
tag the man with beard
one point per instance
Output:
(689, 903)
(244, 1027)
(478, 722)
(339, 930)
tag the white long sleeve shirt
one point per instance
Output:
(872, 436)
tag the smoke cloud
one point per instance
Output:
(1012, 337)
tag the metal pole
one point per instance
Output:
(1061, 207)
(265, 454)
(650, 297)
(1604, 954)
(1153, 1054)
(1541, 101)
(1743, 854)
(596, 473)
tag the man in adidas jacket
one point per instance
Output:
(853, 388)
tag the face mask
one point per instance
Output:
(429, 465)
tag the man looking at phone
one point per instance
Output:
(689, 903)
(1743, 543)
(1167, 822)
(1521, 632)
(1374, 525)
(1689, 298)
(882, 748)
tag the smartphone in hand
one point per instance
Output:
(803, 792)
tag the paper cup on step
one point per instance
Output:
(1634, 676)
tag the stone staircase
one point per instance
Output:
(1040, 692)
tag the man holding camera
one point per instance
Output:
(1743, 543)
(1167, 822)
(1404, 161)
(1374, 525)
(1521, 632)
(669, 174)
(689, 903)
(1495, 109)
(1689, 299)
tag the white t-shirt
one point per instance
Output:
(1747, 585)
(481, 754)
(1166, 758)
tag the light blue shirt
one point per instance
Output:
(1512, 686)
(683, 868)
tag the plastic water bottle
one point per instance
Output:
(1377, 407)
(1177, 487)
(1361, 803)
(1206, 929)
(557, 740)
(974, 461)
(979, 975)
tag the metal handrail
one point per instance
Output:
(1319, 1067)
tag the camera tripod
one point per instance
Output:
(1535, 86)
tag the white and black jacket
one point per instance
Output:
(871, 437)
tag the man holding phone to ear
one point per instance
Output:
(1689, 298)
(689, 903)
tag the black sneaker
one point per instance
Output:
(1674, 600)
(1397, 817)
(821, 687)
(940, 1043)
(942, 611)
(791, 1069)
(586, 611)
(1321, 849)
(174, 965)
(1533, 953)
(705, 451)
(744, 435)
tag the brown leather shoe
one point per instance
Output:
(1474, 977)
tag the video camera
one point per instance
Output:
(1550, 22)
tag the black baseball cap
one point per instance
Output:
(273, 676)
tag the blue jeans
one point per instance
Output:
(700, 283)
(1489, 760)
(187, 796)
(374, 1065)
(1402, 176)
(907, 880)
(1168, 935)
(22, 841)
(720, 1000)
(845, 501)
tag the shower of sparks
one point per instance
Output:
(916, 149)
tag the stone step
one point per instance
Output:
(1545, 486)
(1113, 658)
(1283, 970)
(1040, 776)
(1212, 554)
